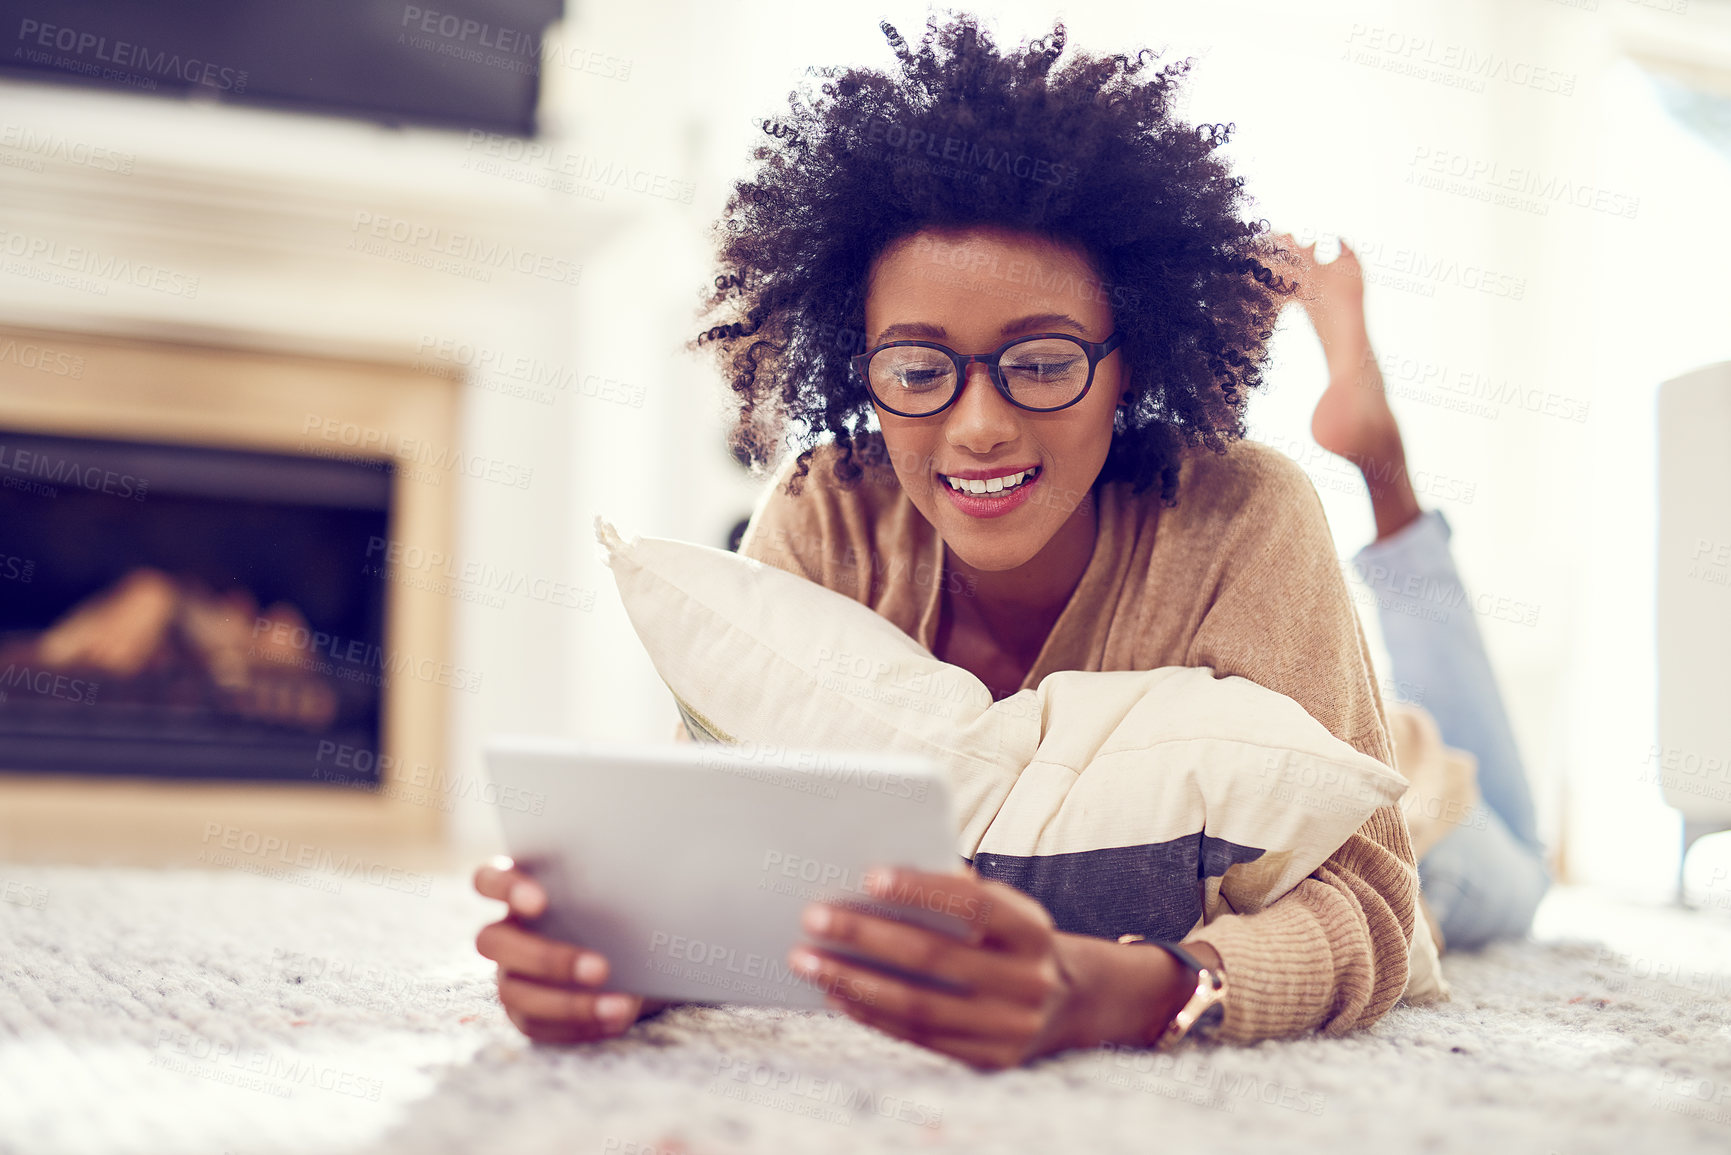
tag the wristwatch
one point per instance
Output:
(1205, 1010)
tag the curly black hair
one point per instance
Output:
(1089, 155)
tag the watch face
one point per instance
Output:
(1209, 1020)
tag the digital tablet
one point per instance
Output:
(689, 866)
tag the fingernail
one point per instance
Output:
(523, 896)
(818, 919)
(612, 1008)
(591, 968)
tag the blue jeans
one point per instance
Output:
(1482, 881)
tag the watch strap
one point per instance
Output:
(1205, 1009)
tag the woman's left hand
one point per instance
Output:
(1023, 1000)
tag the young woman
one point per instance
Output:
(1038, 284)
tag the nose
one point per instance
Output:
(981, 419)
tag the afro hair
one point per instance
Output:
(1089, 154)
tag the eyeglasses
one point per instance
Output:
(1041, 373)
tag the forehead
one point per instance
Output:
(983, 273)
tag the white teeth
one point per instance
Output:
(994, 485)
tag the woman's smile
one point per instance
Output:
(990, 493)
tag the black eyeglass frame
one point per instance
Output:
(1097, 352)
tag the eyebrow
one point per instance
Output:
(921, 330)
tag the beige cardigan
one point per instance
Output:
(1240, 576)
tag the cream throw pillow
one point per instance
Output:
(1143, 800)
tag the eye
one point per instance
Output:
(911, 369)
(1043, 368)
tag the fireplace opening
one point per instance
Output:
(189, 612)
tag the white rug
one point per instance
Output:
(185, 1012)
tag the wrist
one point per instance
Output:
(1122, 996)
(1196, 1001)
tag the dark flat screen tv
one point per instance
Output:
(463, 64)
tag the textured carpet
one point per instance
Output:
(220, 1011)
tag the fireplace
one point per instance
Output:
(188, 612)
(193, 625)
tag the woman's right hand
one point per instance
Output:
(553, 991)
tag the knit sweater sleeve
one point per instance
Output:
(1331, 954)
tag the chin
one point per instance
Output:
(979, 551)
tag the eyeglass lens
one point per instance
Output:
(1044, 373)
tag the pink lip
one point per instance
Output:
(991, 506)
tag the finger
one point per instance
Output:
(501, 879)
(537, 1000)
(527, 953)
(918, 1013)
(924, 951)
(556, 1032)
(998, 913)
(982, 1054)
(985, 1053)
